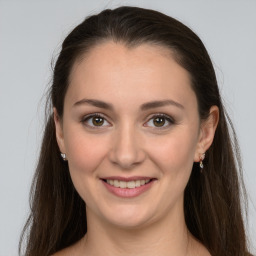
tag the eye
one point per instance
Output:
(160, 121)
(95, 120)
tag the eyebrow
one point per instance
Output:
(160, 103)
(145, 106)
(96, 103)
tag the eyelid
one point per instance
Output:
(87, 117)
(167, 118)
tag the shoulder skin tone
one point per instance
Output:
(131, 133)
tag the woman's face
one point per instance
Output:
(130, 117)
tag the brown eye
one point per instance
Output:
(159, 121)
(97, 121)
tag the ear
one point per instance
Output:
(59, 131)
(207, 132)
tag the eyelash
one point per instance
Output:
(86, 118)
(167, 118)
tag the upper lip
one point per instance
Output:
(127, 178)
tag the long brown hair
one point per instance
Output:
(212, 201)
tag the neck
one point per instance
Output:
(167, 236)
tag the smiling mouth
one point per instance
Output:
(127, 184)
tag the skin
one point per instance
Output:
(128, 143)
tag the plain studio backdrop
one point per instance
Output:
(31, 33)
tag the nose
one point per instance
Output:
(127, 148)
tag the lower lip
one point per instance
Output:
(128, 192)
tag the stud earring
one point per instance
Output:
(63, 156)
(201, 161)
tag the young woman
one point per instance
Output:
(137, 156)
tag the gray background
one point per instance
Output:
(30, 35)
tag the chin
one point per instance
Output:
(129, 217)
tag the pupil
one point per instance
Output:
(159, 121)
(97, 121)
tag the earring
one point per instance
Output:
(201, 161)
(63, 155)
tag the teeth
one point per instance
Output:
(122, 184)
(116, 183)
(131, 184)
(137, 183)
(128, 184)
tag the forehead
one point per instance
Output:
(145, 72)
(110, 54)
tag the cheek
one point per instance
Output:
(85, 152)
(175, 152)
(174, 157)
